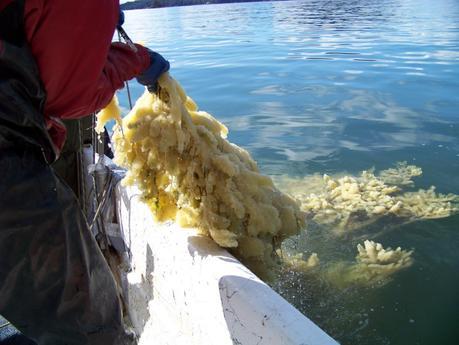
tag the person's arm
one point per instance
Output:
(79, 67)
(122, 64)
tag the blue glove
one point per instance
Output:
(120, 19)
(158, 66)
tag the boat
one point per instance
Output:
(179, 287)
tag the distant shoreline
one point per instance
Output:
(141, 4)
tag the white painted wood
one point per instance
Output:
(184, 289)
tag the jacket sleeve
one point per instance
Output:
(79, 66)
(122, 64)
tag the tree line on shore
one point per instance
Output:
(138, 4)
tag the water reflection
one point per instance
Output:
(362, 121)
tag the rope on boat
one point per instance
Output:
(126, 83)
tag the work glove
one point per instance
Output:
(120, 19)
(158, 66)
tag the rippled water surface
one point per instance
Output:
(330, 87)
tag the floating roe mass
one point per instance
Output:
(344, 204)
(373, 265)
(352, 202)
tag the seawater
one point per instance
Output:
(331, 87)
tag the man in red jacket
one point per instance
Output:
(56, 62)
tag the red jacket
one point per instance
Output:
(79, 66)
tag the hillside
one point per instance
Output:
(133, 5)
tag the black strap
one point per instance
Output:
(12, 23)
(22, 94)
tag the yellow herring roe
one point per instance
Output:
(187, 171)
(110, 112)
(374, 266)
(352, 202)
